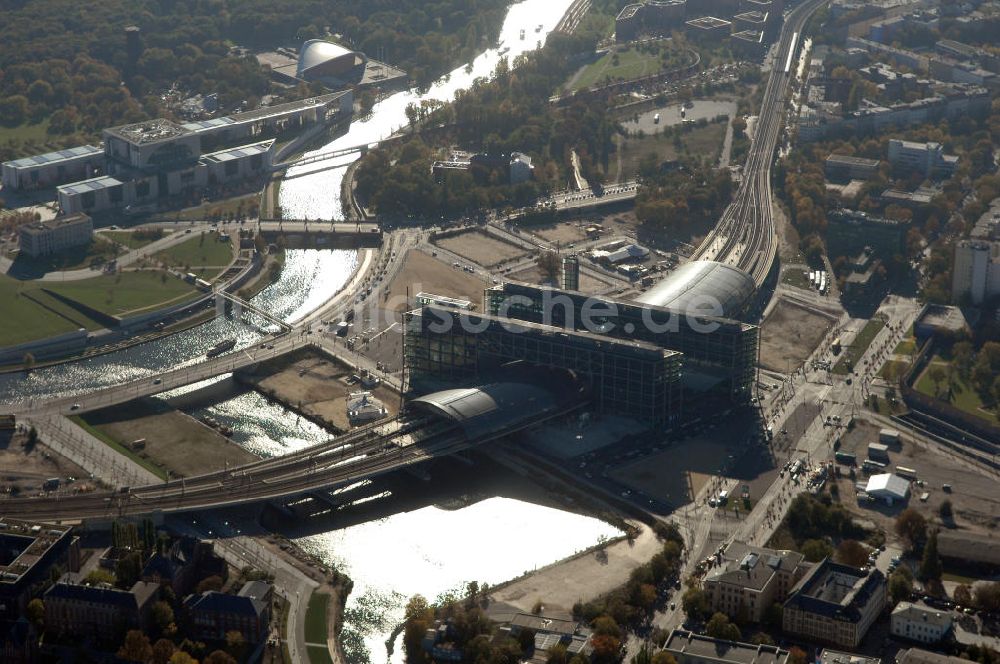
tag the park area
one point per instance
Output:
(691, 140)
(199, 253)
(124, 292)
(628, 63)
(939, 380)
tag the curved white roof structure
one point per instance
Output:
(705, 288)
(320, 59)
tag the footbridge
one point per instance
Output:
(433, 425)
(239, 306)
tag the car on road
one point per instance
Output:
(157, 381)
(75, 406)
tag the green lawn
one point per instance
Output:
(126, 291)
(893, 369)
(963, 396)
(796, 277)
(24, 320)
(26, 132)
(316, 625)
(133, 239)
(700, 141)
(906, 347)
(118, 447)
(858, 348)
(631, 64)
(199, 251)
(318, 655)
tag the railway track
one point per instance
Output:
(745, 235)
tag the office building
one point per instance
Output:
(835, 604)
(28, 551)
(828, 656)
(840, 168)
(849, 232)
(921, 656)
(917, 622)
(52, 168)
(928, 159)
(689, 648)
(747, 580)
(976, 274)
(707, 29)
(628, 23)
(42, 238)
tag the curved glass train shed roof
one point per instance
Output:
(489, 408)
(704, 288)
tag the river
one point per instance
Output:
(430, 551)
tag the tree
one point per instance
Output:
(695, 603)
(127, 569)
(136, 647)
(796, 655)
(28, 361)
(719, 627)
(962, 595)
(236, 645)
(946, 510)
(181, 657)
(930, 565)
(98, 576)
(987, 596)
(213, 582)
(912, 527)
(606, 648)
(762, 639)
(900, 584)
(851, 552)
(35, 612)
(557, 655)
(163, 651)
(606, 625)
(661, 657)
(163, 617)
(816, 550)
(549, 263)
(937, 376)
(219, 657)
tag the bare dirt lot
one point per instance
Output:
(422, 272)
(790, 334)
(564, 233)
(480, 248)
(175, 441)
(317, 387)
(533, 275)
(26, 467)
(974, 496)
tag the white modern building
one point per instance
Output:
(53, 168)
(888, 487)
(520, 167)
(926, 158)
(41, 238)
(917, 622)
(977, 271)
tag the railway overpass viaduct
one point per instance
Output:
(434, 425)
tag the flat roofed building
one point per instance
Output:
(976, 275)
(238, 163)
(689, 648)
(888, 488)
(52, 168)
(719, 353)
(925, 158)
(708, 28)
(152, 145)
(747, 580)
(920, 656)
(850, 231)
(840, 167)
(628, 23)
(41, 238)
(918, 622)
(94, 195)
(627, 378)
(828, 656)
(835, 604)
(28, 550)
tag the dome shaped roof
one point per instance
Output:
(698, 286)
(317, 52)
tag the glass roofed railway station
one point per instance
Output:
(677, 352)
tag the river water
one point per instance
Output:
(430, 551)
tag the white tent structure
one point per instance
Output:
(888, 487)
